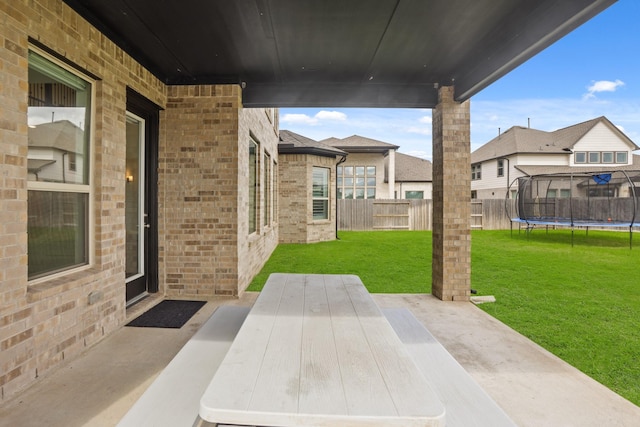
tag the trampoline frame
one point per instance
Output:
(570, 221)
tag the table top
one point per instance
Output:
(317, 350)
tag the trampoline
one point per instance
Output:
(577, 199)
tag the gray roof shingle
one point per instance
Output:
(293, 143)
(413, 169)
(360, 144)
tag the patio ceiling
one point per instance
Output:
(340, 53)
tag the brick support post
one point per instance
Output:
(451, 261)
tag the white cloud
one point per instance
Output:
(298, 119)
(426, 119)
(602, 86)
(331, 115)
(419, 130)
(304, 119)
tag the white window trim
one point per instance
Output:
(327, 198)
(74, 188)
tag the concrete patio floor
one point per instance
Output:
(533, 386)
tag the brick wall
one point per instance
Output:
(45, 322)
(296, 208)
(451, 260)
(205, 248)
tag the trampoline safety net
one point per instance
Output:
(588, 199)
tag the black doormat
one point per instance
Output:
(168, 314)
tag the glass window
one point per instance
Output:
(594, 157)
(476, 171)
(274, 192)
(552, 193)
(267, 189)
(320, 193)
(348, 193)
(354, 178)
(253, 185)
(607, 157)
(580, 157)
(414, 194)
(500, 167)
(621, 157)
(58, 160)
(565, 193)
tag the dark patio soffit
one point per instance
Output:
(338, 53)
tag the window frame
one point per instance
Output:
(580, 154)
(267, 193)
(500, 171)
(594, 157)
(626, 157)
(356, 181)
(327, 189)
(414, 193)
(254, 179)
(476, 172)
(87, 187)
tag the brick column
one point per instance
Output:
(451, 261)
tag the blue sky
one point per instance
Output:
(593, 71)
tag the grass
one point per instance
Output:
(580, 302)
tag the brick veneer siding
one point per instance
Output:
(451, 262)
(205, 248)
(296, 204)
(204, 245)
(43, 323)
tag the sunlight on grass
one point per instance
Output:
(580, 302)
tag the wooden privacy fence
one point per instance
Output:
(409, 214)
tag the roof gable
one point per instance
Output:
(518, 140)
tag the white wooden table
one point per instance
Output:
(316, 350)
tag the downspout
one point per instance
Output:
(342, 160)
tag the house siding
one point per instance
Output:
(601, 138)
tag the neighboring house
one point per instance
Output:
(375, 170)
(413, 177)
(595, 145)
(55, 152)
(306, 193)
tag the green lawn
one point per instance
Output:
(581, 303)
